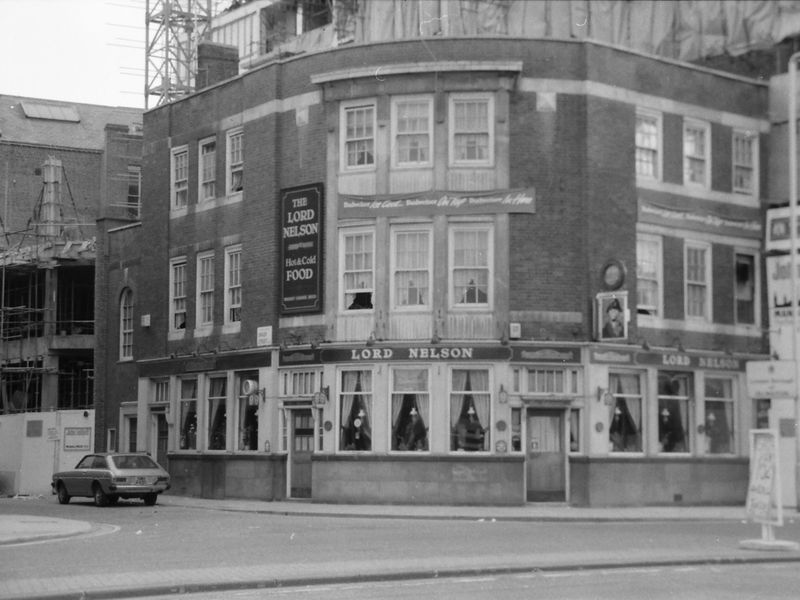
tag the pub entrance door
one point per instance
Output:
(546, 455)
(301, 447)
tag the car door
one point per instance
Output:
(77, 480)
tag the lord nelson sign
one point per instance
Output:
(301, 249)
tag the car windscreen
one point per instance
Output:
(134, 462)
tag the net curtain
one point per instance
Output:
(625, 417)
(407, 434)
(464, 381)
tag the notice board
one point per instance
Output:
(764, 490)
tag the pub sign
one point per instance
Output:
(301, 249)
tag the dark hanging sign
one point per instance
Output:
(301, 249)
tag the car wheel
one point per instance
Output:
(63, 496)
(100, 497)
(150, 499)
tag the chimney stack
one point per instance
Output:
(215, 63)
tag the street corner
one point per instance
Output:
(20, 529)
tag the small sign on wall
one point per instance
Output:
(77, 438)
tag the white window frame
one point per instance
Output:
(179, 177)
(705, 156)
(728, 401)
(343, 235)
(488, 429)
(657, 240)
(175, 299)
(657, 117)
(738, 161)
(395, 295)
(233, 163)
(126, 325)
(206, 173)
(134, 201)
(397, 101)
(227, 400)
(455, 228)
(204, 299)
(643, 411)
(346, 108)
(688, 246)
(233, 286)
(569, 377)
(452, 133)
(755, 255)
(367, 395)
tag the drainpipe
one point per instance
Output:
(793, 262)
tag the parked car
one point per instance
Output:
(109, 477)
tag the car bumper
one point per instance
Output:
(123, 488)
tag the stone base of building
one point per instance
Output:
(639, 481)
(252, 477)
(395, 479)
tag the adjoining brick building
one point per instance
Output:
(385, 273)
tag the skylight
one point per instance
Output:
(34, 110)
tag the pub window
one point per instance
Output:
(410, 409)
(470, 410)
(355, 408)
(674, 390)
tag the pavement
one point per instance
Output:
(26, 529)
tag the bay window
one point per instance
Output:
(410, 409)
(355, 410)
(412, 123)
(470, 410)
(358, 136)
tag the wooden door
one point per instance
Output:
(301, 440)
(545, 456)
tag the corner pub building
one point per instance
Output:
(466, 271)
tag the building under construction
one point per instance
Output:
(61, 166)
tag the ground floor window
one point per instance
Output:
(355, 408)
(188, 414)
(674, 389)
(575, 430)
(248, 404)
(470, 406)
(625, 429)
(410, 409)
(217, 413)
(719, 410)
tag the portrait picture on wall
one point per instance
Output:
(612, 316)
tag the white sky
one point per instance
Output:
(88, 51)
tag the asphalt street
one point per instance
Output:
(189, 545)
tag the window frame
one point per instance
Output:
(225, 399)
(453, 100)
(233, 288)
(394, 294)
(707, 283)
(344, 233)
(203, 182)
(642, 399)
(687, 402)
(134, 195)
(657, 117)
(753, 139)
(246, 406)
(658, 242)
(453, 229)
(179, 187)
(126, 325)
(188, 440)
(705, 127)
(471, 391)
(233, 166)
(204, 295)
(394, 391)
(730, 403)
(756, 291)
(345, 109)
(174, 298)
(370, 404)
(396, 101)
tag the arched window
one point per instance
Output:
(126, 325)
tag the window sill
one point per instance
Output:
(203, 331)
(177, 213)
(176, 335)
(232, 327)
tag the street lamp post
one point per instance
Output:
(793, 262)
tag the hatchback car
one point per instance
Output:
(109, 477)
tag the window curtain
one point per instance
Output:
(672, 419)
(356, 430)
(472, 410)
(719, 427)
(188, 406)
(625, 414)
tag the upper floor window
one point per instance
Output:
(358, 127)
(235, 161)
(126, 325)
(648, 275)
(233, 284)
(208, 169)
(471, 130)
(412, 124)
(358, 268)
(745, 290)
(696, 153)
(177, 294)
(648, 144)
(180, 177)
(411, 268)
(745, 145)
(697, 271)
(471, 265)
(205, 288)
(134, 199)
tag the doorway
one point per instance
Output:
(301, 447)
(545, 456)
